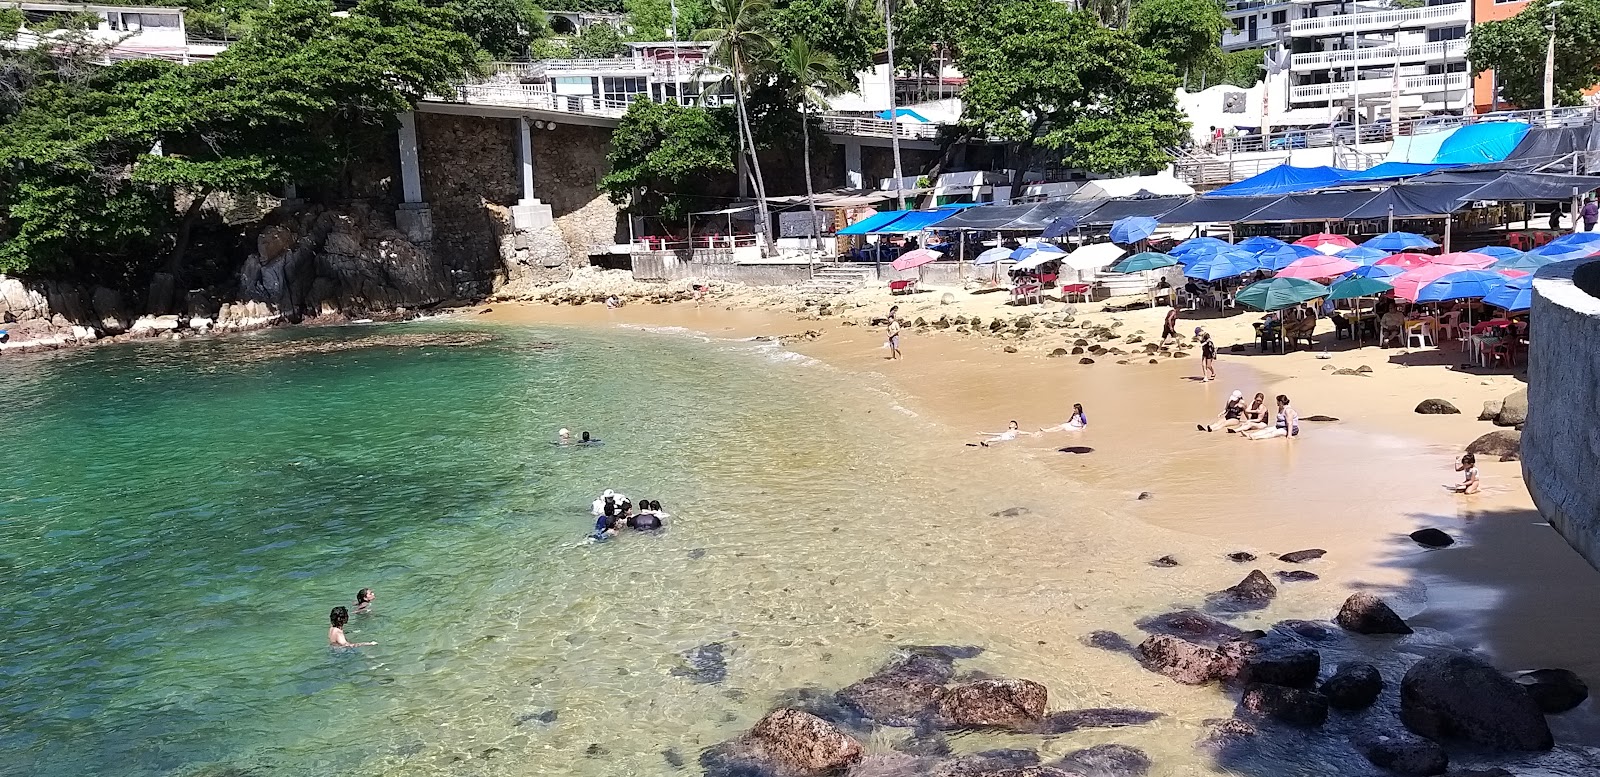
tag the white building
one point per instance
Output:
(660, 71)
(131, 32)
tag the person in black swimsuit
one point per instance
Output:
(1232, 414)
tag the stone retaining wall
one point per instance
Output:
(1561, 439)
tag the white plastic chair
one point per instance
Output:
(1420, 333)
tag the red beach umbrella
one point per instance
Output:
(1405, 261)
(1326, 242)
(1463, 260)
(1313, 267)
(915, 259)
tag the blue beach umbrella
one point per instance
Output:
(1465, 284)
(1399, 241)
(993, 255)
(1260, 243)
(1199, 243)
(1498, 252)
(1577, 239)
(1224, 264)
(1132, 229)
(1375, 271)
(1524, 262)
(1562, 251)
(1279, 293)
(1351, 288)
(1148, 260)
(1514, 295)
(1283, 256)
(1041, 248)
(1059, 227)
(1362, 254)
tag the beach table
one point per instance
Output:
(1027, 293)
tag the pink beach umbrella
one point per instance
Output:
(917, 258)
(1326, 242)
(1407, 284)
(1405, 261)
(1322, 266)
(1510, 273)
(1463, 260)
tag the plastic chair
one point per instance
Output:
(1420, 333)
(1519, 241)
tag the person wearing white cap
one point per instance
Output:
(1232, 414)
(565, 435)
(599, 506)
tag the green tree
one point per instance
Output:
(833, 27)
(1043, 76)
(1514, 49)
(814, 75)
(598, 41)
(888, 8)
(1188, 33)
(664, 154)
(503, 28)
(1238, 68)
(652, 19)
(737, 32)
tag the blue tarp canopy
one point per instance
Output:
(915, 221)
(1283, 179)
(1216, 209)
(1476, 144)
(871, 223)
(1389, 171)
(904, 113)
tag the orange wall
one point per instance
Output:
(1483, 85)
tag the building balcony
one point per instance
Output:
(1381, 87)
(1343, 24)
(1423, 53)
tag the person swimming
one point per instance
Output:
(338, 618)
(564, 437)
(364, 599)
(1077, 422)
(648, 518)
(599, 505)
(585, 439)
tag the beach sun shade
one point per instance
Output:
(1132, 229)
(1513, 295)
(1462, 284)
(1224, 264)
(1578, 238)
(1405, 261)
(1279, 293)
(993, 255)
(914, 259)
(1325, 242)
(1408, 283)
(1283, 256)
(1033, 256)
(1379, 271)
(1042, 248)
(1314, 267)
(1198, 243)
(1463, 259)
(1522, 261)
(1500, 252)
(1399, 241)
(1059, 227)
(1351, 288)
(1148, 260)
(1561, 252)
(1362, 254)
(1257, 243)
(1093, 257)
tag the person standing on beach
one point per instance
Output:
(1169, 328)
(1208, 357)
(1591, 214)
(894, 332)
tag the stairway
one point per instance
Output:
(836, 279)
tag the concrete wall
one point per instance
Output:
(1561, 439)
(658, 266)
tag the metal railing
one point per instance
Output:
(1412, 17)
(1427, 52)
(661, 68)
(539, 97)
(1408, 85)
(878, 128)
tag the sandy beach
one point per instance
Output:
(1355, 487)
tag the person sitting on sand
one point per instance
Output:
(1286, 425)
(1011, 433)
(1255, 417)
(338, 618)
(1077, 422)
(1232, 414)
(1469, 480)
(364, 599)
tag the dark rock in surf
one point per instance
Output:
(824, 704)
(1226, 733)
(991, 763)
(1296, 576)
(547, 716)
(1432, 538)
(1456, 696)
(1313, 631)
(1495, 772)
(785, 742)
(1106, 761)
(1254, 592)
(1107, 640)
(1248, 663)
(1074, 720)
(1189, 624)
(1164, 561)
(1010, 512)
(1437, 407)
(1354, 686)
(944, 652)
(1404, 754)
(1320, 418)
(697, 553)
(1143, 495)
(1241, 557)
(1554, 690)
(902, 693)
(705, 665)
(928, 743)
(1181, 660)
(1302, 556)
(1364, 613)
(1293, 706)
(673, 758)
(1011, 703)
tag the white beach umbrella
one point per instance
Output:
(1094, 257)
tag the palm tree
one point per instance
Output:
(739, 41)
(888, 7)
(816, 75)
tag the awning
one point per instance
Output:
(1323, 206)
(1415, 200)
(1112, 211)
(1388, 171)
(1473, 144)
(989, 217)
(1531, 187)
(1158, 185)
(1040, 216)
(1544, 148)
(725, 211)
(1201, 210)
(871, 223)
(914, 221)
(1283, 179)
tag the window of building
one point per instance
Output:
(1238, 24)
(1452, 67)
(1457, 32)
(132, 22)
(1280, 17)
(623, 89)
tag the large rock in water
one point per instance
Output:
(787, 743)
(1353, 686)
(1106, 761)
(1254, 592)
(1554, 690)
(1503, 444)
(998, 702)
(1364, 613)
(1458, 696)
(1404, 754)
(1248, 663)
(1189, 624)
(1514, 410)
(904, 692)
(1437, 407)
(1179, 659)
(1285, 705)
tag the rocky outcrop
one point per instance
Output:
(902, 693)
(1554, 690)
(1106, 761)
(1285, 705)
(1252, 593)
(1403, 754)
(1354, 686)
(1513, 409)
(786, 743)
(1181, 660)
(993, 703)
(1458, 696)
(1189, 624)
(1247, 662)
(1302, 556)
(1502, 444)
(1364, 613)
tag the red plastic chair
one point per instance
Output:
(1519, 241)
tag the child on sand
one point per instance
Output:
(1011, 433)
(1077, 422)
(894, 332)
(1469, 480)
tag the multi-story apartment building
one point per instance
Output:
(128, 32)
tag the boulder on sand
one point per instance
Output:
(1164, 561)
(1404, 754)
(1458, 696)
(1490, 409)
(1254, 592)
(1513, 409)
(997, 702)
(1241, 556)
(1285, 705)
(1436, 407)
(1554, 690)
(1354, 686)
(1432, 538)
(1302, 556)
(1364, 613)
(786, 742)
(1179, 659)
(1504, 444)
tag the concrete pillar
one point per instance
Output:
(852, 165)
(414, 218)
(529, 213)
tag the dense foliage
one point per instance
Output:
(1188, 33)
(503, 28)
(652, 19)
(597, 41)
(1515, 50)
(663, 156)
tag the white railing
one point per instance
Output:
(878, 128)
(1338, 90)
(1426, 52)
(1413, 17)
(539, 97)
